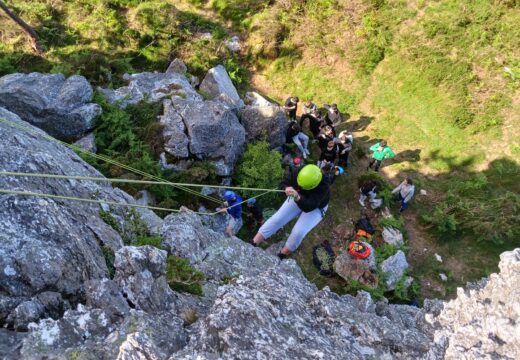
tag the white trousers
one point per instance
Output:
(288, 211)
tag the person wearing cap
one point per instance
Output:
(233, 210)
(333, 117)
(308, 195)
(380, 151)
(291, 106)
(345, 140)
(255, 213)
(404, 193)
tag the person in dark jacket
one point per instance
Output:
(326, 135)
(333, 117)
(291, 106)
(308, 195)
(328, 155)
(344, 148)
(332, 172)
(315, 122)
(255, 214)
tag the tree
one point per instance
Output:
(35, 40)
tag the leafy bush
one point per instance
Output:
(384, 251)
(259, 167)
(396, 223)
(182, 276)
(110, 257)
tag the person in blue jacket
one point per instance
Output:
(233, 209)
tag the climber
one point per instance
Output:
(294, 133)
(315, 120)
(404, 193)
(233, 212)
(291, 106)
(380, 152)
(333, 117)
(345, 140)
(308, 195)
(328, 155)
(255, 214)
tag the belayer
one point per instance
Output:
(233, 211)
(308, 194)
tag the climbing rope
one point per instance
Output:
(102, 157)
(158, 180)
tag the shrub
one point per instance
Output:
(396, 223)
(155, 241)
(259, 167)
(182, 276)
(110, 257)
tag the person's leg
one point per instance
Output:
(378, 165)
(404, 205)
(306, 222)
(362, 198)
(288, 211)
(299, 144)
(305, 141)
(372, 160)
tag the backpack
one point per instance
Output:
(365, 225)
(323, 258)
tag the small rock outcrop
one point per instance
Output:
(362, 270)
(394, 268)
(392, 236)
(60, 106)
(265, 122)
(218, 85)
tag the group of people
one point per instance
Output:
(307, 187)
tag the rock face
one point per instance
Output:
(214, 131)
(48, 245)
(483, 321)
(265, 122)
(217, 84)
(151, 87)
(177, 66)
(392, 236)
(62, 107)
(87, 143)
(394, 267)
(176, 141)
(350, 268)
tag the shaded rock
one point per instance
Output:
(25, 313)
(214, 131)
(233, 44)
(344, 231)
(362, 270)
(394, 267)
(105, 294)
(141, 275)
(218, 222)
(443, 277)
(144, 197)
(176, 142)
(217, 84)
(152, 87)
(265, 123)
(62, 107)
(392, 236)
(177, 66)
(255, 99)
(87, 143)
(10, 344)
(481, 322)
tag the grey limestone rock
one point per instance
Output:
(394, 267)
(217, 84)
(265, 122)
(60, 106)
(392, 236)
(152, 87)
(176, 142)
(87, 143)
(350, 268)
(177, 66)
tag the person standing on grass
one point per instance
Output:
(326, 135)
(380, 151)
(333, 117)
(404, 193)
(308, 195)
(291, 106)
(315, 122)
(295, 134)
(345, 140)
(328, 155)
(233, 211)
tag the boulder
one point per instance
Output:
(214, 131)
(394, 267)
(60, 106)
(482, 322)
(393, 236)
(87, 143)
(176, 142)
(47, 244)
(218, 85)
(177, 66)
(362, 270)
(218, 222)
(265, 123)
(233, 44)
(152, 87)
(255, 99)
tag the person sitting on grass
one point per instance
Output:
(294, 133)
(255, 214)
(380, 151)
(328, 155)
(233, 212)
(308, 195)
(404, 193)
(291, 106)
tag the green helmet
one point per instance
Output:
(309, 177)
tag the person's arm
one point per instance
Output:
(389, 153)
(374, 147)
(313, 199)
(409, 195)
(289, 181)
(398, 188)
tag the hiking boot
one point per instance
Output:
(254, 244)
(282, 256)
